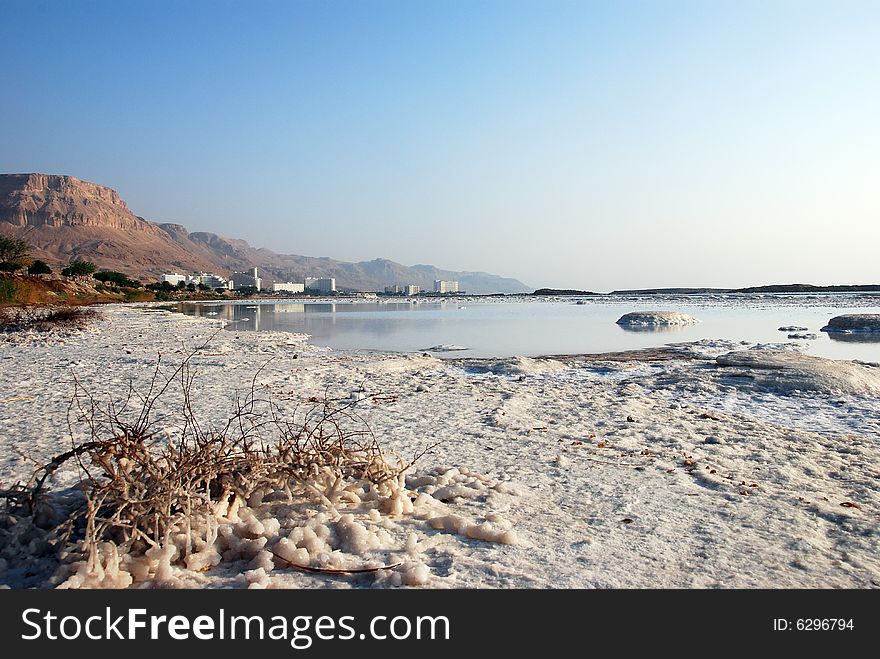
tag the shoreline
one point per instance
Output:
(725, 483)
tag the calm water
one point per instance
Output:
(546, 327)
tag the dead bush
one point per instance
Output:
(141, 491)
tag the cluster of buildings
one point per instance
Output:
(204, 278)
(440, 286)
(320, 285)
(397, 289)
(251, 279)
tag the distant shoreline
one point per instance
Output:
(771, 288)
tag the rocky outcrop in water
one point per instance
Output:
(654, 318)
(854, 322)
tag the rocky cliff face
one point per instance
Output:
(50, 200)
(62, 217)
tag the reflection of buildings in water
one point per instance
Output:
(323, 307)
(234, 314)
(322, 320)
(246, 317)
(288, 308)
(212, 311)
(855, 337)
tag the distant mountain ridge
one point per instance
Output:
(770, 288)
(63, 217)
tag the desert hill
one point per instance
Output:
(63, 217)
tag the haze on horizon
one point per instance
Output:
(594, 145)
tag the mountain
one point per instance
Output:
(372, 275)
(62, 217)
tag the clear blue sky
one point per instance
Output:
(577, 144)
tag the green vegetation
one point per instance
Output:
(13, 254)
(29, 290)
(8, 291)
(163, 291)
(39, 267)
(138, 295)
(79, 268)
(111, 277)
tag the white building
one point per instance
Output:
(249, 279)
(211, 280)
(397, 289)
(320, 284)
(287, 287)
(174, 278)
(441, 286)
(204, 278)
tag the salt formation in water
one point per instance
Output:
(445, 347)
(854, 322)
(655, 318)
(785, 371)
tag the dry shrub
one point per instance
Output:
(142, 488)
(142, 492)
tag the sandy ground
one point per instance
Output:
(589, 473)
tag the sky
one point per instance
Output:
(592, 145)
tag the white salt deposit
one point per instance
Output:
(653, 318)
(793, 371)
(529, 481)
(517, 366)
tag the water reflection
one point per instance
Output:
(856, 337)
(288, 308)
(527, 328)
(321, 320)
(651, 329)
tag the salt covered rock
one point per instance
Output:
(784, 370)
(854, 322)
(655, 318)
(519, 366)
